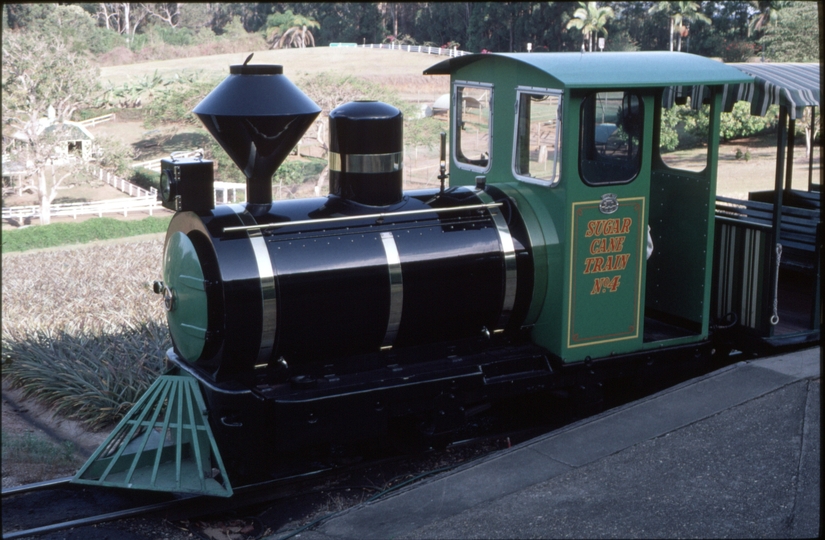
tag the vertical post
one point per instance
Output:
(811, 151)
(780, 159)
(789, 162)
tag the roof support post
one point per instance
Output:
(811, 151)
(780, 162)
(789, 160)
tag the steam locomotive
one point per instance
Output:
(563, 251)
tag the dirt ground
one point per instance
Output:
(27, 418)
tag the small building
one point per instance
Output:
(72, 140)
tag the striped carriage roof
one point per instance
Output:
(795, 86)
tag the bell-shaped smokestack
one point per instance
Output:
(258, 116)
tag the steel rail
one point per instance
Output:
(16, 490)
(101, 518)
(249, 490)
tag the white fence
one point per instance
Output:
(91, 122)
(154, 164)
(140, 200)
(126, 187)
(416, 48)
(98, 208)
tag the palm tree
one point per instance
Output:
(590, 19)
(666, 8)
(766, 13)
(686, 11)
(286, 29)
(679, 12)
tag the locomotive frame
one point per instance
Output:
(549, 266)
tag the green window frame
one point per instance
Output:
(537, 139)
(473, 120)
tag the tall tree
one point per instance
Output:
(687, 11)
(797, 37)
(666, 8)
(354, 22)
(767, 13)
(40, 73)
(590, 19)
(442, 22)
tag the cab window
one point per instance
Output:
(537, 152)
(472, 107)
(610, 137)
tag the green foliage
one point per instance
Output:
(145, 178)
(683, 127)
(38, 71)
(59, 234)
(101, 40)
(352, 22)
(669, 136)
(796, 38)
(115, 155)
(88, 376)
(290, 172)
(294, 171)
(227, 170)
(180, 37)
(740, 123)
(591, 19)
(738, 51)
(787, 29)
(68, 23)
(173, 102)
(287, 29)
(131, 94)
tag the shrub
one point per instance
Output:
(102, 40)
(92, 377)
(82, 330)
(145, 178)
(740, 123)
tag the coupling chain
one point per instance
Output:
(775, 317)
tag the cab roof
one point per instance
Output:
(612, 69)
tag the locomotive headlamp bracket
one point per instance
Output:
(168, 294)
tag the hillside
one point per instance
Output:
(384, 66)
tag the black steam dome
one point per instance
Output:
(366, 153)
(258, 116)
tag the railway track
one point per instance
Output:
(313, 494)
(24, 506)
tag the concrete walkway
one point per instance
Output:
(734, 453)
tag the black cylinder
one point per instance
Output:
(366, 153)
(324, 289)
